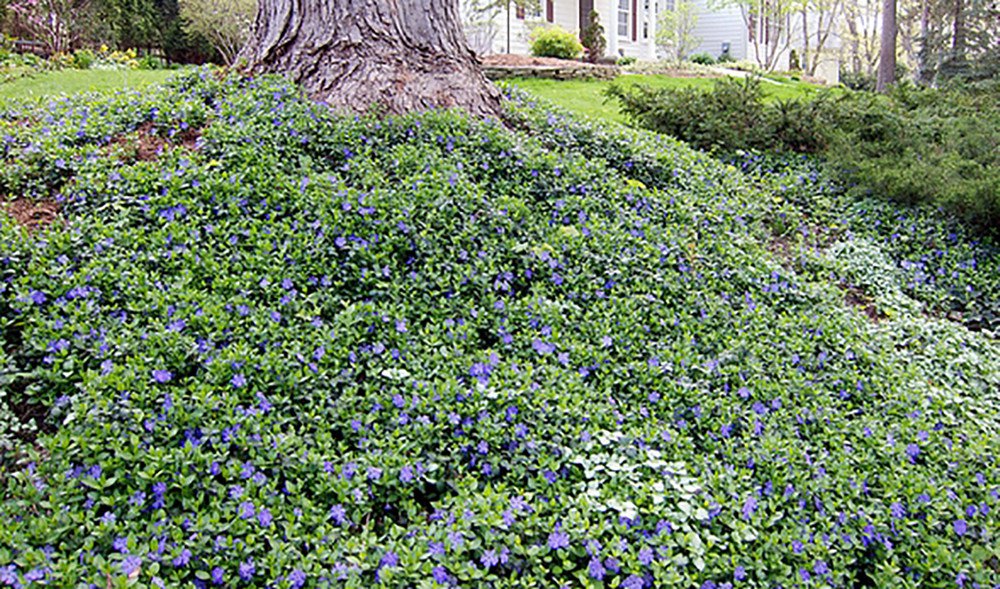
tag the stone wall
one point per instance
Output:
(561, 72)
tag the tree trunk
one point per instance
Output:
(396, 55)
(887, 56)
(958, 30)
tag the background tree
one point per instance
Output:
(401, 55)
(61, 25)
(887, 55)
(820, 19)
(860, 33)
(481, 20)
(675, 30)
(767, 22)
(225, 23)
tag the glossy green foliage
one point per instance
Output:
(425, 351)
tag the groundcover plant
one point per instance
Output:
(266, 346)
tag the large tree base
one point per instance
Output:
(395, 56)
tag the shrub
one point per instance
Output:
(82, 59)
(555, 42)
(626, 60)
(702, 59)
(151, 62)
(919, 146)
(731, 116)
(592, 38)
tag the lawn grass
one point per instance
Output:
(76, 81)
(587, 96)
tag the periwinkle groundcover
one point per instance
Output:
(311, 351)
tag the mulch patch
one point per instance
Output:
(33, 214)
(146, 145)
(856, 297)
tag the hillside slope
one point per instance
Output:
(287, 349)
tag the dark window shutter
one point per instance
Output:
(550, 11)
(635, 20)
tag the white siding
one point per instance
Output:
(565, 15)
(716, 26)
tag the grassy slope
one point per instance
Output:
(76, 81)
(587, 97)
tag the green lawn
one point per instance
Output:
(587, 96)
(75, 81)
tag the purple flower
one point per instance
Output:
(897, 510)
(338, 514)
(558, 539)
(960, 527)
(440, 575)
(489, 559)
(264, 517)
(38, 297)
(297, 579)
(912, 451)
(543, 347)
(596, 569)
(218, 576)
(389, 560)
(162, 376)
(130, 565)
(247, 569)
(246, 510)
(740, 573)
(646, 556)
(749, 507)
(820, 568)
(633, 582)
(238, 381)
(182, 559)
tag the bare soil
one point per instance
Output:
(33, 214)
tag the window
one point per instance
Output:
(646, 11)
(624, 13)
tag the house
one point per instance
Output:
(628, 25)
(630, 29)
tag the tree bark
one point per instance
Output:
(887, 56)
(396, 55)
